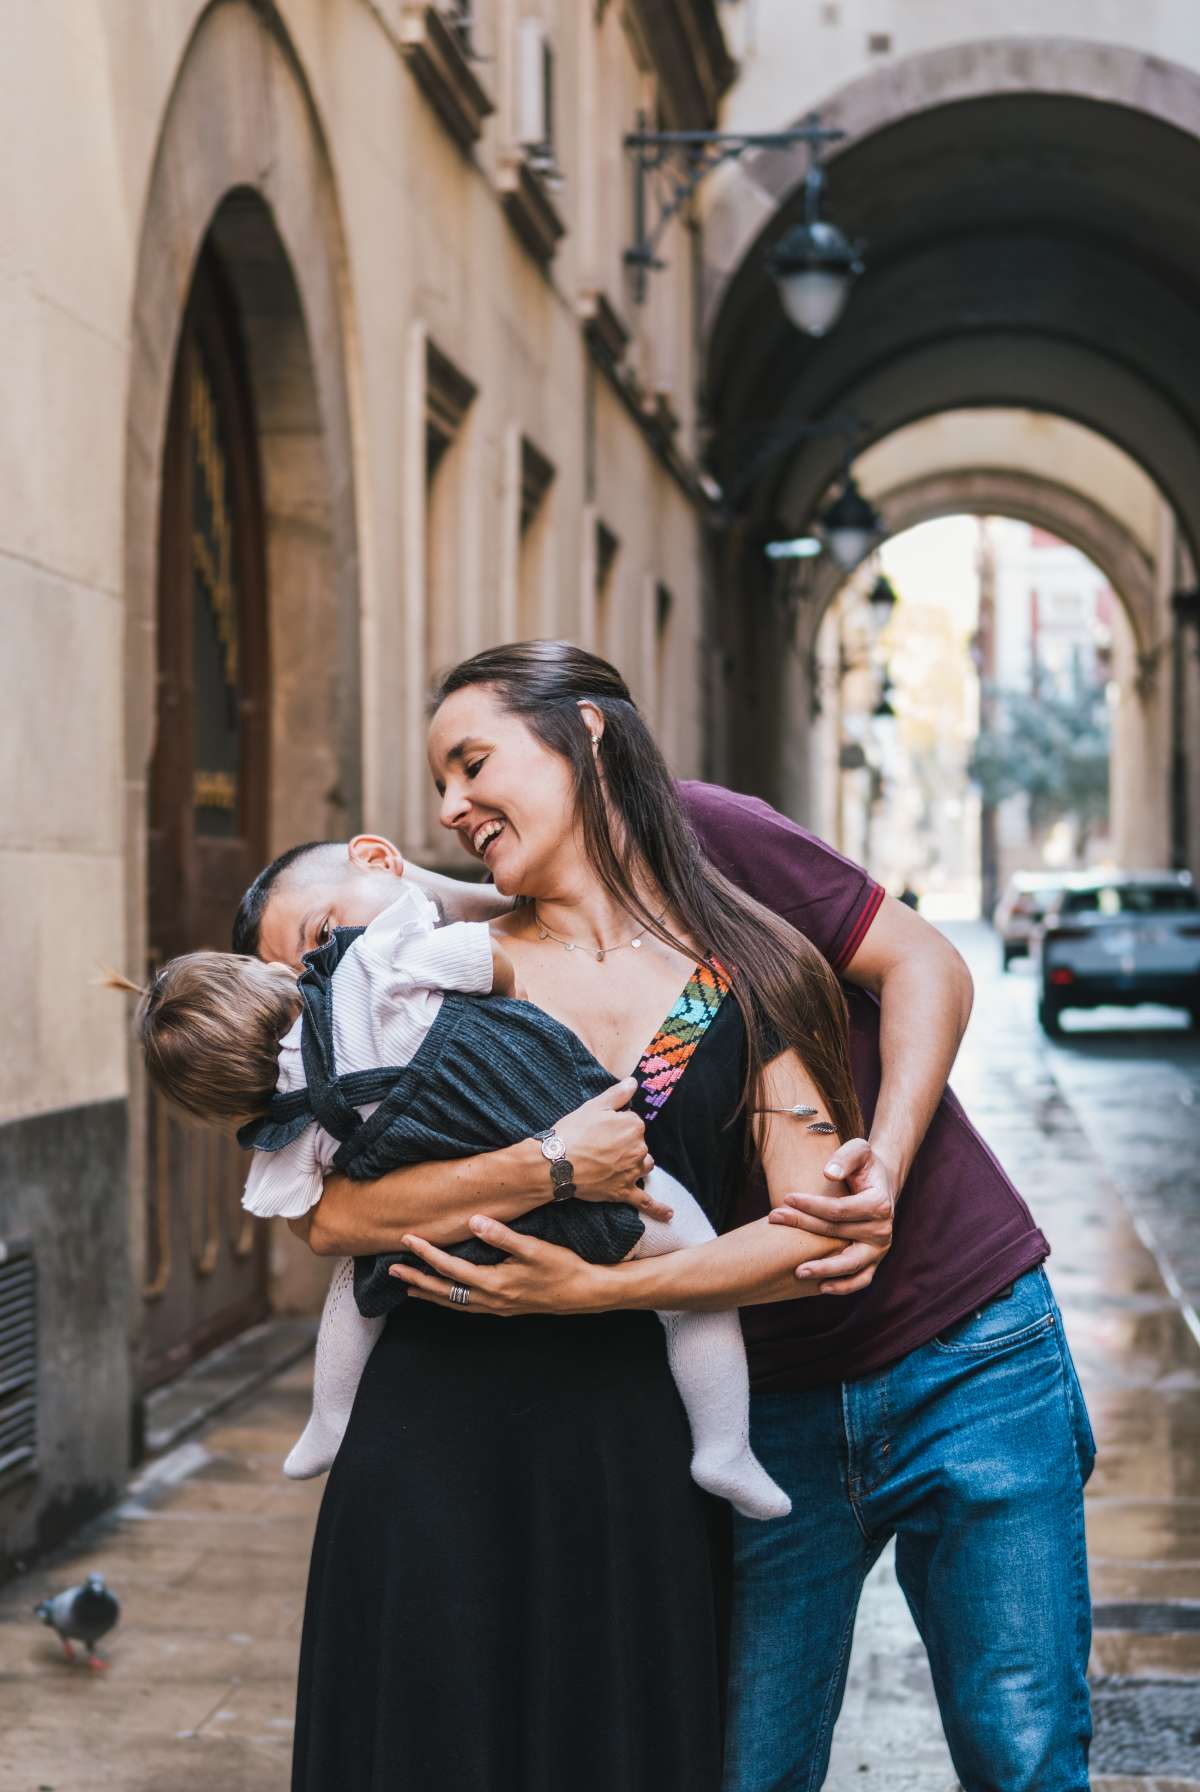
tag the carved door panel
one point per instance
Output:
(206, 1269)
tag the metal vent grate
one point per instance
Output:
(18, 1356)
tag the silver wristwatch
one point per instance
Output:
(562, 1170)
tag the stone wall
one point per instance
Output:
(376, 215)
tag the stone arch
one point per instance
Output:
(744, 206)
(1004, 491)
(1139, 820)
(241, 164)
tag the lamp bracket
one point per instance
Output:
(684, 159)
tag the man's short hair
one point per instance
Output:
(247, 925)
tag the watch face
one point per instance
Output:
(553, 1147)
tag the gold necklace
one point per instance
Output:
(599, 953)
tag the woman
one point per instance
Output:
(515, 1585)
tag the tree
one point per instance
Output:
(1051, 748)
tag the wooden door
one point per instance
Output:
(206, 1266)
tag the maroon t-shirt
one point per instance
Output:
(962, 1231)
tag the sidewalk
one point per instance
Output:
(209, 1551)
(208, 1555)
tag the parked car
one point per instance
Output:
(1122, 938)
(1027, 899)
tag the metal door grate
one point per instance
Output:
(18, 1356)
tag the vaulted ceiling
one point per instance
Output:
(1022, 249)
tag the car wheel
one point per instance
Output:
(1050, 1017)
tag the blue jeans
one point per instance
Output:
(972, 1452)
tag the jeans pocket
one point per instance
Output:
(1081, 1424)
(998, 1325)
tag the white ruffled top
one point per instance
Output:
(386, 994)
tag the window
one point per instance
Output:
(533, 542)
(1131, 899)
(607, 549)
(535, 96)
(664, 603)
(448, 397)
(463, 18)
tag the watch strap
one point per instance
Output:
(562, 1171)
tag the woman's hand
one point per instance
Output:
(606, 1143)
(536, 1278)
(862, 1218)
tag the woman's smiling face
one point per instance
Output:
(510, 800)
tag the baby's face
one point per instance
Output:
(302, 914)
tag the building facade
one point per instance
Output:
(324, 366)
(323, 369)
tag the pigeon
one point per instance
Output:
(86, 1612)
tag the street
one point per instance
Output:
(208, 1551)
(1098, 1132)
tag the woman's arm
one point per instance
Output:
(751, 1266)
(605, 1143)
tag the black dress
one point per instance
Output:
(515, 1584)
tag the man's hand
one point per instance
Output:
(607, 1145)
(862, 1218)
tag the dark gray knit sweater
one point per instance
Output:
(489, 1073)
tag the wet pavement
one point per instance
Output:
(1099, 1132)
(210, 1547)
(208, 1555)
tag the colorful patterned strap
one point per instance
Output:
(669, 1052)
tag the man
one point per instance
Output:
(926, 1392)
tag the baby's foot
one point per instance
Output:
(314, 1450)
(744, 1482)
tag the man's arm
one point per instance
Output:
(458, 898)
(925, 994)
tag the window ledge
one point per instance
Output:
(528, 206)
(659, 410)
(604, 329)
(440, 68)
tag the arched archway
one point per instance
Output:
(998, 186)
(1002, 629)
(744, 207)
(1111, 542)
(242, 182)
(1069, 514)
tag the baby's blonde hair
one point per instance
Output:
(210, 1025)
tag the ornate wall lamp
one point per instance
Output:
(814, 264)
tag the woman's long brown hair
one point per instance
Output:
(783, 985)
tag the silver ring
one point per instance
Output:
(460, 1294)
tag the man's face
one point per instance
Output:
(304, 909)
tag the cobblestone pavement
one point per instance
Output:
(209, 1549)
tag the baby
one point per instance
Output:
(382, 1054)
